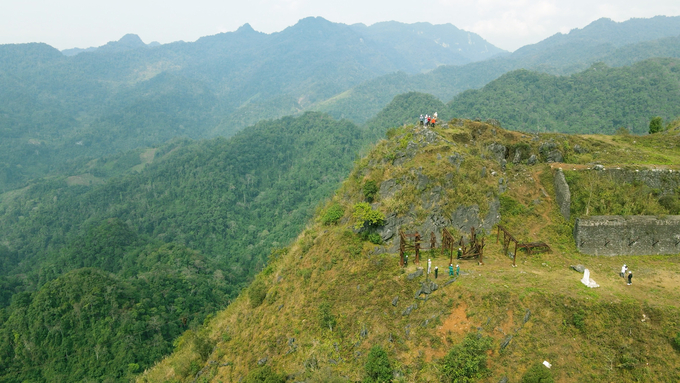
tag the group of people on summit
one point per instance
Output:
(428, 120)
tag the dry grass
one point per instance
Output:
(589, 335)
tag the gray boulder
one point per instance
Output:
(579, 268)
(532, 160)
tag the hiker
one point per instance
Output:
(422, 120)
(436, 272)
(457, 270)
(405, 260)
(435, 115)
(429, 266)
(630, 277)
(428, 120)
(624, 268)
(460, 253)
(451, 269)
(433, 121)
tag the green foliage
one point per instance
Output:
(203, 345)
(264, 375)
(676, 341)
(370, 189)
(378, 367)
(366, 216)
(511, 207)
(232, 200)
(466, 361)
(655, 125)
(326, 317)
(597, 100)
(375, 238)
(538, 373)
(578, 319)
(257, 292)
(333, 214)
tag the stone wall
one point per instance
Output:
(632, 235)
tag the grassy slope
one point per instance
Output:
(587, 334)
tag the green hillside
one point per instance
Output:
(616, 44)
(125, 95)
(336, 305)
(168, 239)
(598, 100)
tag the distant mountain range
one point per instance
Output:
(56, 108)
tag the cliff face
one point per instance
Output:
(320, 305)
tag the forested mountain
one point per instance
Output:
(616, 44)
(341, 305)
(99, 276)
(598, 100)
(54, 108)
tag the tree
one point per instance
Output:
(378, 366)
(466, 361)
(656, 125)
(538, 373)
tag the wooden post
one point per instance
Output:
(417, 246)
(481, 253)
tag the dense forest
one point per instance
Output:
(56, 108)
(134, 261)
(616, 44)
(598, 100)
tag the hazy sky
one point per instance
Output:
(508, 24)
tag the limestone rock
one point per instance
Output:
(415, 274)
(499, 151)
(578, 268)
(532, 160)
(395, 301)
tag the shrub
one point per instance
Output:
(466, 361)
(676, 341)
(579, 320)
(333, 214)
(257, 293)
(326, 317)
(375, 238)
(538, 373)
(203, 345)
(365, 215)
(264, 375)
(656, 125)
(378, 367)
(370, 189)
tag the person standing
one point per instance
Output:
(422, 120)
(436, 272)
(457, 270)
(630, 277)
(624, 268)
(450, 269)
(405, 260)
(429, 266)
(460, 253)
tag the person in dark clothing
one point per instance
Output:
(436, 272)
(460, 253)
(406, 260)
(630, 277)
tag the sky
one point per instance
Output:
(508, 24)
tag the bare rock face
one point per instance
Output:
(499, 151)
(532, 160)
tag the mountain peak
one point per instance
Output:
(245, 28)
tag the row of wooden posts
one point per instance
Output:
(473, 249)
